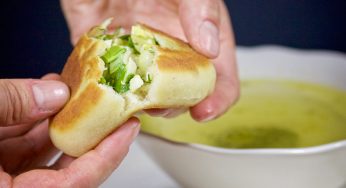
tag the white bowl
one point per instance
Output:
(200, 166)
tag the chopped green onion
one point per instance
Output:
(127, 58)
(128, 42)
(124, 37)
(131, 45)
(103, 80)
(120, 85)
(129, 77)
(149, 78)
(118, 31)
(112, 53)
(121, 73)
(156, 42)
(97, 32)
(108, 37)
(115, 65)
(122, 88)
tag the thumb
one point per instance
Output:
(200, 21)
(30, 100)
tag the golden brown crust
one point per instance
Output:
(176, 55)
(183, 46)
(82, 63)
(77, 107)
(180, 61)
(82, 67)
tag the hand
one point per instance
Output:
(205, 24)
(25, 147)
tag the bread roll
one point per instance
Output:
(167, 73)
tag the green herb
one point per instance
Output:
(119, 73)
(149, 78)
(103, 80)
(101, 37)
(115, 76)
(129, 77)
(112, 53)
(125, 37)
(156, 42)
(131, 45)
(121, 86)
(118, 79)
(118, 31)
(108, 37)
(97, 32)
(115, 65)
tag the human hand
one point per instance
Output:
(205, 24)
(25, 147)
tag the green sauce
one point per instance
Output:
(269, 114)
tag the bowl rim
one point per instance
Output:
(324, 148)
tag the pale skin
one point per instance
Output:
(25, 146)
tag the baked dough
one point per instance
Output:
(181, 77)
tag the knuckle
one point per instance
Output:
(211, 10)
(13, 98)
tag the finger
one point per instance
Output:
(200, 20)
(18, 130)
(63, 162)
(52, 76)
(13, 131)
(18, 153)
(94, 167)
(113, 139)
(30, 100)
(5, 179)
(218, 103)
(176, 112)
(167, 113)
(227, 84)
(76, 10)
(42, 150)
(158, 112)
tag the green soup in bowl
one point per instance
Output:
(269, 114)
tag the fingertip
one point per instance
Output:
(96, 165)
(133, 121)
(157, 112)
(50, 95)
(201, 21)
(224, 96)
(121, 137)
(31, 100)
(63, 162)
(176, 112)
(209, 43)
(204, 111)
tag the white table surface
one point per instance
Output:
(138, 171)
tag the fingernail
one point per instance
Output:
(159, 112)
(209, 115)
(209, 38)
(176, 112)
(134, 126)
(208, 118)
(50, 95)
